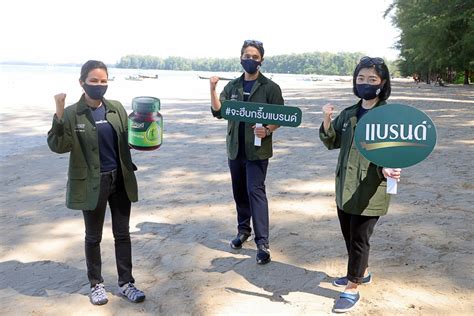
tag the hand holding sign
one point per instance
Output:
(258, 134)
(261, 113)
(395, 136)
(392, 176)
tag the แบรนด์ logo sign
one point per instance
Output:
(395, 135)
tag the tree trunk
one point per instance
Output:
(428, 77)
(450, 78)
(466, 76)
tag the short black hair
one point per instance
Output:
(380, 68)
(257, 44)
(91, 65)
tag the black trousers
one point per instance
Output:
(248, 187)
(112, 191)
(357, 231)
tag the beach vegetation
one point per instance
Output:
(436, 39)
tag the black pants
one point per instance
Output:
(248, 187)
(111, 190)
(357, 230)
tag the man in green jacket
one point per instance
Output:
(248, 163)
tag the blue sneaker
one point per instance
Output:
(346, 302)
(237, 242)
(263, 254)
(343, 281)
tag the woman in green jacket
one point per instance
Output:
(361, 196)
(94, 131)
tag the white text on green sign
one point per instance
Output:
(261, 113)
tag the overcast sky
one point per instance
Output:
(58, 31)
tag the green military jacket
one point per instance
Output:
(360, 185)
(76, 133)
(263, 91)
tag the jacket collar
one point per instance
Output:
(260, 79)
(353, 110)
(82, 106)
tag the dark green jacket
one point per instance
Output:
(360, 185)
(76, 133)
(263, 91)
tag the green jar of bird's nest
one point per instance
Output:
(145, 124)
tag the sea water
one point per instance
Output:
(27, 99)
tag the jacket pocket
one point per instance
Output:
(376, 189)
(77, 185)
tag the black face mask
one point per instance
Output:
(250, 66)
(95, 92)
(368, 91)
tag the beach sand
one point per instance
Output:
(421, 256)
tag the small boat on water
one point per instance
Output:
(133, 78)
(148, 76)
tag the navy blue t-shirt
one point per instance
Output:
(107, 140)
(248, 85)
(361, 112)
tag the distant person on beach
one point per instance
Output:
(416, 78)
(361, 196)
(248, 163)
(94, 131)
(439, 81)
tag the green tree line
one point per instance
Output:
(320, 63)
(437, 38)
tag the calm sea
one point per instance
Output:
(27, 103)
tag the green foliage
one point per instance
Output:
(307, 63)
(436, 37)
(459, 78)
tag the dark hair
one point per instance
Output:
(381, 70)
(91, 65)
(257, 44)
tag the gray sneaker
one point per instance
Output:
(98, 295)
(132, 293)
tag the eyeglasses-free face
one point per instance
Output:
(251, 52)
(368, 76)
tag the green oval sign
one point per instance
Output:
(395, 136)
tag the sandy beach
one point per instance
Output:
(422, 252)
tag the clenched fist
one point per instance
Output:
(60, 100)
(328, 111)
(213, 82)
